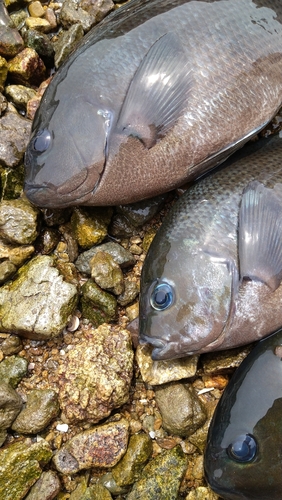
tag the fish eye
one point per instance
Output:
(162, 296)
(243, 449)
(42, 141)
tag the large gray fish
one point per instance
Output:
(243, 457)
(212, 277)
(155, 95)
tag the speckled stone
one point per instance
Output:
(97, 305)
(160, 372)
(14, 133)
(19, 95)
(41, 407)
(107, 273)
(101, 446)
(161, 477)
(95, 375)
(10, 405)
(41, 43)
(18, 222)
(46, 488)
(21, 466)
(38, 303)
(11, 182)
(27, 67)
(13, 369)
(129, 468)
(131, 290)
(201, 493)
(90, 226)
(67, 42)
(120, 255)
(224, 360)
(10, 40)
(11, 345)
(17, 255)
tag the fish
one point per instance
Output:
(243, 455)
(211, 279)
(155, 95)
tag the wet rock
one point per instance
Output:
(120, 255)
(18, 18)
(18, 221)
(97, 305)
(35, 9)
(87, 13)
(12, 370)
(90, 226)
(97, 10)
(202, 493)
(181, 409)
(3, 72)
(97, 492)
(46, 488)
(143, 211)
(27, 68)
(120, 227)
(47, 241)
(11, 182)
(21, 466)
(102, 446)
(107, 273)
(95, 375)
(129, 468)
(132, 311)
(224, 360)
(38, 24)
(161, 477)
(7, 270)
(50, 16)
(19, 95)
(131, 290)
(67, 42)
(108, 481)
(3, 435)
(72, 246)
(10, 405)
(160, 372)
(148, 238)
(40, 43)
(38, 303)
(10, 40)
(11, 345)
(16, 255)
(41, 407)
(3, 104)
(14, 132)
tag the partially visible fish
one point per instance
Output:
(155, 95)
(243, 457)
(212, 276)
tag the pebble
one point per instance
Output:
(27, 68)
(21, 466)
(90, 226)
(41, 407)
(201, 493)
(7, 270)
(97, 305)
(10, 405)
(13, 369)
(41, 43)
(161, 477)
(19, 95)
(35, 9)
(160, 372)
(17, 255)
(46, 488)
(18, 222)
(224, 360)
(107, 273)
(131, 290)
(143, 211)
(181, 410)
(95, 375)
(11, 345)
(120, 255)
(102, 446)
(3, 72)
(129, 468)
(38, 303)
(67, 42)
(14, 132)
(10, 40)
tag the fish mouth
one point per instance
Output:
(48, 196)
(159, 346)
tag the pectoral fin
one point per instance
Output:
(260, 234)
(158, 92)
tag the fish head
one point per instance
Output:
(63, 164)
(185, 301)
(243, 454)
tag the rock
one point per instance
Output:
(107, 273)
(38, 303)
(161, 477)
(67, 42)
(3, 104)
(21, 466)
(3, 435)
(16, 255)
(120, 227)
(11, 345)
(46, 488)
(7, 270)
(47, 241)
(38, 24)
(102, 446)
(95, 375)
(18, 221)
(97, 492)
(11, 182)
(41, 407)
(31, 108)
(160, 372)
(202, 493)
(131, 290)
(35, 9)
(10, 405)
(90, 226)
(129, 468)
(27, 68)
(181, 409)
(120, 255)
(3, 72)
(87, 13)
(98, 10)
(109, 483)
(12, 370)
(19, 95)
(10, 40)
(14, 132)
(97, 305)
(143, 211)
(40, 43)
(224, 360)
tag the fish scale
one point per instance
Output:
(89, 145)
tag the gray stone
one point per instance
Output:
(46, 488)
(13, 369)
(129, 468)
(14, 133)
(19, 95)
(10, 405)
(107, 273)
(41, 407)
(120, 255)
(18, 221)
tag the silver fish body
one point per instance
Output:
(212, 276)
(157, 93)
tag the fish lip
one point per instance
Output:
(43, 196)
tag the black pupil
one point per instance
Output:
(42, 141)
(161, 297)
(243, 449)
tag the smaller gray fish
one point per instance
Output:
(212, 276)
(243, 457)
